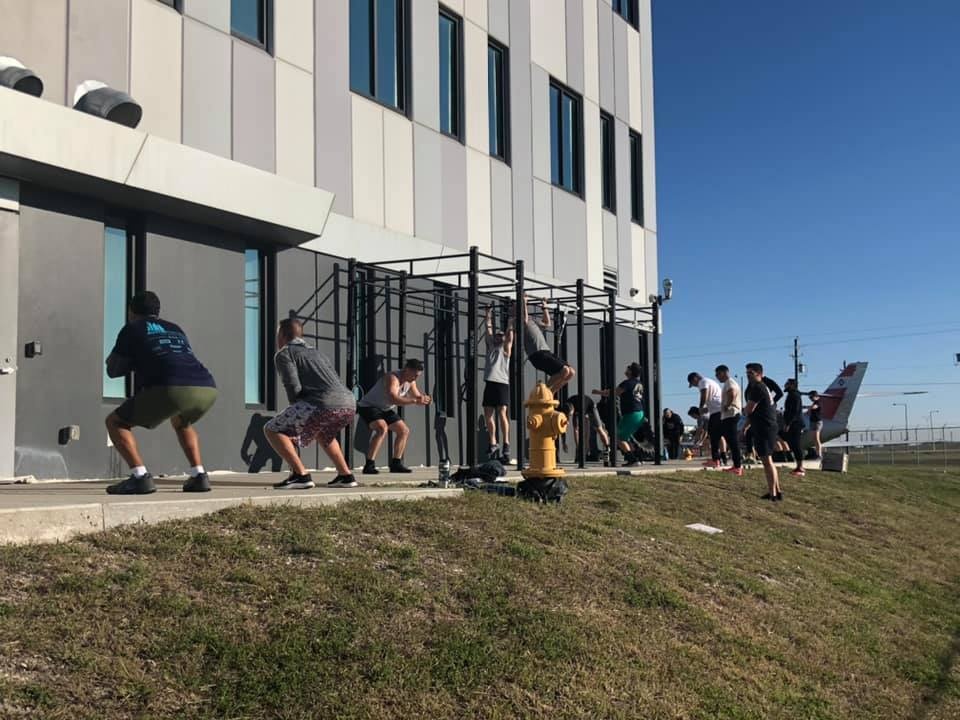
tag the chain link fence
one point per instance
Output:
(929, 446)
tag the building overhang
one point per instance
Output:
(60, 148)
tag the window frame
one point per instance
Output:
(136, 280)
(608, 171)
(636, 179)
(629, 10)
(404, 105)
(576, 158)
(267, 43)
(175, 4)
(457, 73)
(267, 389)
(494, 44)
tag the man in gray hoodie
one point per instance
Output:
(320, 407)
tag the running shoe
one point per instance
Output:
(295, 482)
(133, 485)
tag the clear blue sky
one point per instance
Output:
(808, 179)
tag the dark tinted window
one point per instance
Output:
(497, 99)
(566, 139)
(248, 19)
(377, 50)
(451, 60)
(627, 9)
(636, 178)
(608, 158)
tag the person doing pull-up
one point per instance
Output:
(538, 351)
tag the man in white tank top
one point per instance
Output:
(496, 390)
(378, 408)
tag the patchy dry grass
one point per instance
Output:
(841, 602)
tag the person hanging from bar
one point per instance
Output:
(496, 389)
(378, 408)
(538, 351)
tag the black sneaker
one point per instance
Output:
(778, 497)
(370, 468)
(133, 485)
(295, 482)
(493, 453)
(505, 457)
(197, 483)
(768, 496)
(343, 481)
(397, 466)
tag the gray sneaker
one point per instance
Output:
(198, 483)
(133, 485)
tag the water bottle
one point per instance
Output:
(444, 479)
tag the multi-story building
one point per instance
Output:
(278, 136)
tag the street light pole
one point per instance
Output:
(930, 415)
(906, 423)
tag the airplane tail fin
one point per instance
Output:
(837, 400)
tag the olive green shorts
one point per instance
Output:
(152, 405)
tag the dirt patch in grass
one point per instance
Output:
(841, 602)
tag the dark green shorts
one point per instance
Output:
(151, 406)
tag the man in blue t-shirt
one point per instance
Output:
(169, 384)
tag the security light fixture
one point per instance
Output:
(667, 288)
(15, 76)
(96, 98)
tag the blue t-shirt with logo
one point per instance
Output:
(160, 354)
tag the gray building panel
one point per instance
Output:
(63, 385)
(621, 70)
(206, 88)
(215, 13)
(624, 234)
(501, 210)
(542, 228)
(9, 356)
(427, 187)
(99, 43)
(610, 239)
(498, 20)
(453, 182)
(569, 235)
(521, 110)
(425, 51)
(334, 110)
(540, 103)
(254, 107)
(608, 88)
(35, 33)
(575, 70)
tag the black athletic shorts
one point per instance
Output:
(496, 394)
(545, 361)
(370, 415)
(764, 439)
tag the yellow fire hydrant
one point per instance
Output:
(544, 423)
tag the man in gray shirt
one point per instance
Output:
(320, 407)
(538, 352)
(496, 390)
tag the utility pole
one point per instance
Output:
(796, 360)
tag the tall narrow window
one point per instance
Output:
(636, 178)
(253, 327)
(248, 20)
(451, 74)
(116, 291)
(566, 139)
(497, 94)
(609, 160)
(378, 42)
(627, 9)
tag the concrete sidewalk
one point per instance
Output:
(44, 511)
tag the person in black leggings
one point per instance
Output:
(793, 424)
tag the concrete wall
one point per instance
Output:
(9, 288)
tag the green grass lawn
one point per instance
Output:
(841, 602)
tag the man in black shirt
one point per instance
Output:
(762, 420)
(672, 432)
(793, 425)
(169, 384)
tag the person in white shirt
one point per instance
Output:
(711, 402)
(730, 410)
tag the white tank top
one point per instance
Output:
(376, 397)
